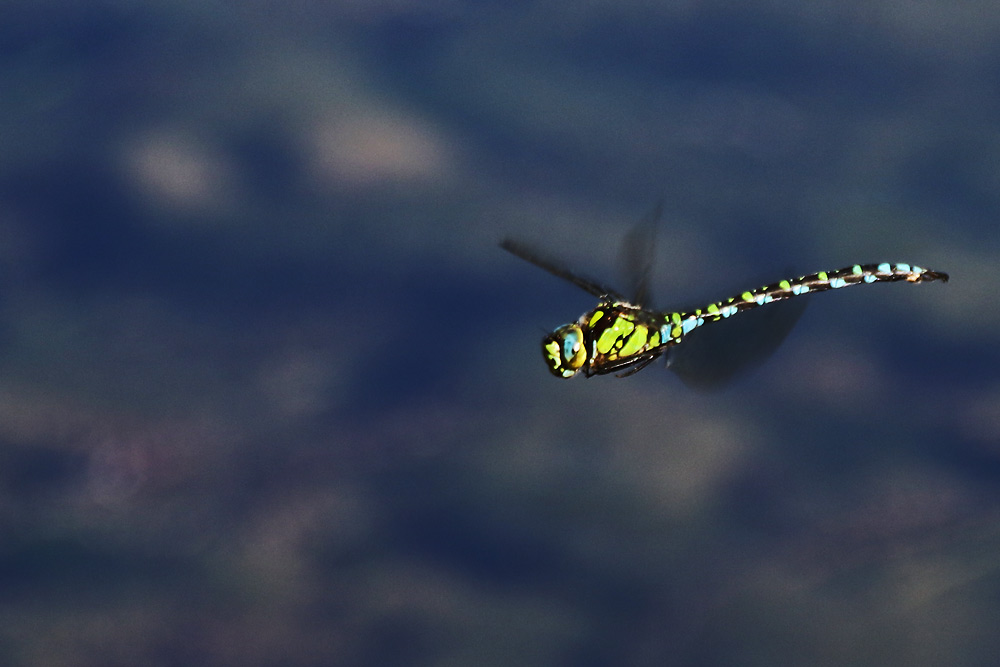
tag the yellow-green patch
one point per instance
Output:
(621, 327)
(606, 340)
(635, 341)
(553, 353)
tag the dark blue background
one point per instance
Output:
(271, 394)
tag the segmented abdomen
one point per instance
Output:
(679, 324)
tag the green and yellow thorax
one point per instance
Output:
(610, 337)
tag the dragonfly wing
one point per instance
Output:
(636, 255)
(556, 268)
(712, 356)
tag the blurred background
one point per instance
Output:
(270, 394)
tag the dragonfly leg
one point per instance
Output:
(637, 367)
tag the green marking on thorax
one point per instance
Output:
(621, 327)
(635, 341)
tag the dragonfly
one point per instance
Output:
(623, 335)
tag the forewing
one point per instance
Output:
(556, 268)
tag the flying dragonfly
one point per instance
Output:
(622, 335)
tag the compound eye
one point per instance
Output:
(564, 350)
(572, 340)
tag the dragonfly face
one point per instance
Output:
(565, 350)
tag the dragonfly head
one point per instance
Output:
(565, 350)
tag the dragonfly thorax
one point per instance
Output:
(565, 350)
(609, 338)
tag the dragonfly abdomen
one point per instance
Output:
(683, 323)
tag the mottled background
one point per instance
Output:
(271, 395)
